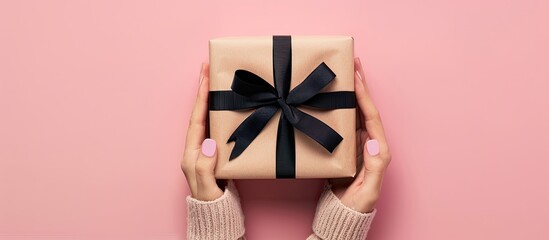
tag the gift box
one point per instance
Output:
(283, 107)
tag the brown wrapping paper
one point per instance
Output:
(258, 160)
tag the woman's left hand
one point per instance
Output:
(200, 155)
(373, 156)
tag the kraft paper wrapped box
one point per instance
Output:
(283, 106)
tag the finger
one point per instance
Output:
(374, 167)
(360, 71)
(360, 115)
(197, 125)
(195, 132)
(207, 188)
(372, 121)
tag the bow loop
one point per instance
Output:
(311, 86)
(250, 85)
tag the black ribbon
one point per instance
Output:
(250, 91)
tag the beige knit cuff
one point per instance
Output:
(221, 218)
(333, 220)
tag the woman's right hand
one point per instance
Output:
(373, 156)
(200, 155)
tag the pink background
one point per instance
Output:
(95, 98)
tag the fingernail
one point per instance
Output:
(208, 147)
(358, 65)
(373, 147)
(201, 73)
(359, 76)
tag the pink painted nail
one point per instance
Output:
(208, 147)
(373, 147)
(201, 73)
(358, 74)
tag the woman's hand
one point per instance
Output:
(200, 155)
(373, 156)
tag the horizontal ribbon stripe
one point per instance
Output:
(229, 100)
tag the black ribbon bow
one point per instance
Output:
(250, 91)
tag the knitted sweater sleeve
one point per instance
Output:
(333, 220)
(221, 218)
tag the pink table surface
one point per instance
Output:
(95, 98)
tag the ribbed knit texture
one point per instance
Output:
(221, 218)
(333, 220)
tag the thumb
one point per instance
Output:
(373, 173)
(207, 188)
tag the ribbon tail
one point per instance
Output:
(317, 130)
(248, 130)
(249, 84)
